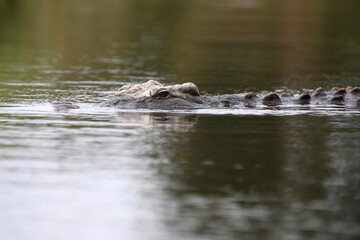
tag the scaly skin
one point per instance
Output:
(154, 95)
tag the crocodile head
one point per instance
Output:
(153, 95)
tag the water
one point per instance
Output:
(290, 172)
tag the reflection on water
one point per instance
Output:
(266, 178)
(153, 120)
(290, 172)
(199, 176)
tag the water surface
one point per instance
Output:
(290, 172)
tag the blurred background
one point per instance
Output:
(223, 46)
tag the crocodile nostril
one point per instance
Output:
(161, 93)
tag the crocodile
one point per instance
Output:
(154, 95)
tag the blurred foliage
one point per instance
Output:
(232, 45)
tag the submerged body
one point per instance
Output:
(153, 95)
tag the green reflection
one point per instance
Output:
(257, 177)
(223, 46)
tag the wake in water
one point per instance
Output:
(152, 96)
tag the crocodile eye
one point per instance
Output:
(161, 93)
